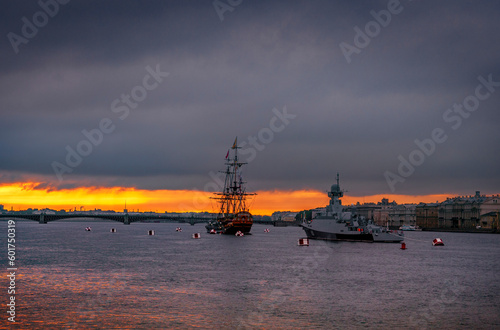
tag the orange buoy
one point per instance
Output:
(403, 246)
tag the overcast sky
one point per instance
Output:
(317, 96)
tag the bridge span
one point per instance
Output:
(124, 218)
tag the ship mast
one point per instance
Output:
(335, 193)
(233, 197)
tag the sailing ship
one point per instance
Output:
(233, 214)
(333, 223)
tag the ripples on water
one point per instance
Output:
(71, 278)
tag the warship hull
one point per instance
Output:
(382, 237)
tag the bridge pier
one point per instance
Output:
(126, 220)
(42, 219)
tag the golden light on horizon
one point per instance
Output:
(25, 195)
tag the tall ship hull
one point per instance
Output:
(234, 216)
(333, 224)
(241, 222)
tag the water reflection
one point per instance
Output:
(72, 279)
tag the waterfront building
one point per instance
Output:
(466, 212)
(490, 220)
(366, 210)
(284, 216)
(427, 215)
(402, 215)
(381, 215)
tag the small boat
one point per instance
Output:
(88, 229)
(410, 228)
(213, 231)
(239, 233)
(437, 242)
(178, 229)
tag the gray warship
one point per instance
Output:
(333, 223)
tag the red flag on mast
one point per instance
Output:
(227, 155)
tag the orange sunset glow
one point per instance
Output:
(20, 196)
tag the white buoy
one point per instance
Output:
(151, 232)
(113, 230)
(303, 242)
(196, 235)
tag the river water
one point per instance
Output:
(69, 278)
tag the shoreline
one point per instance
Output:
(459, 230)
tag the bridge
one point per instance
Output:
(124, 218)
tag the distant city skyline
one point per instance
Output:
(103, 102)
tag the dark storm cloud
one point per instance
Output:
(226, 77)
